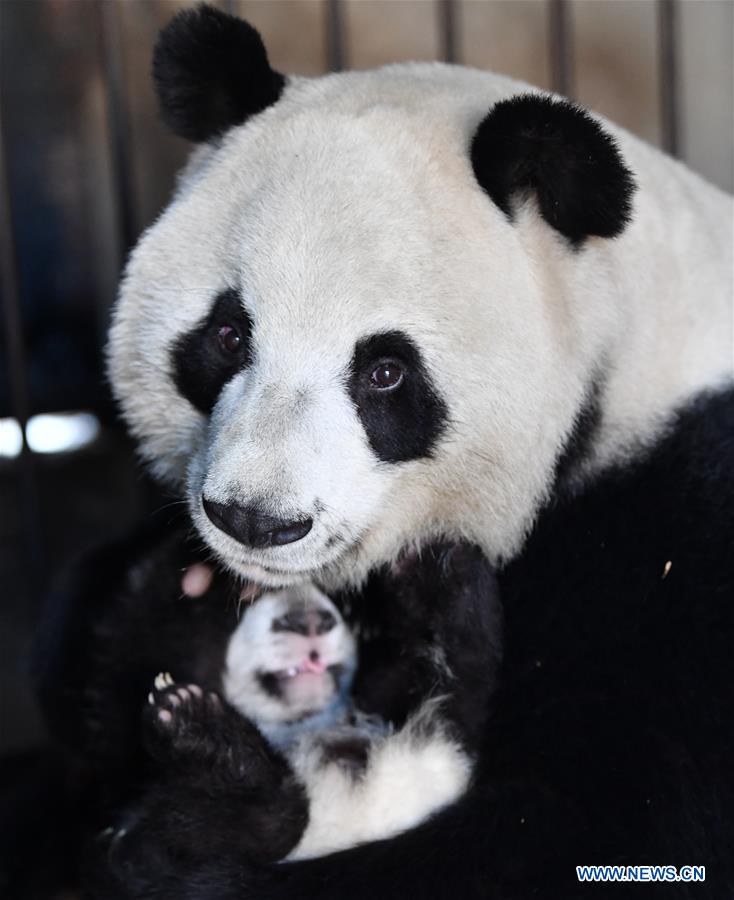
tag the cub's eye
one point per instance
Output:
(386, 377)
(229, 339)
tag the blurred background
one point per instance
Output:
(85, 164)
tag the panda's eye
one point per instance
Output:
(386, 377)
(229, 339)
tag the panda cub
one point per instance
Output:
(289, 669)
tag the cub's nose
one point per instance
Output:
(308, 622)
(253, 528)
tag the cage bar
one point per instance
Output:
(17, 373)
(561, 49)
(335, 55)
(669, 102)
(448, 30)
(118, 125)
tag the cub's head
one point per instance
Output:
(291, 657)
(348, 331)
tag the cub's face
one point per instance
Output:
(291, 656)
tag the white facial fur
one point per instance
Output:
(255, 649)
(349, 208)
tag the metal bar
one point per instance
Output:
(12, 316)
(335, 54)
(448, 13)
(667, 16)
(17, 363)
(119, 132)
(561, 47)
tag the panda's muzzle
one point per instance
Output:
(253, 528)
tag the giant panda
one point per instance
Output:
(427, 302)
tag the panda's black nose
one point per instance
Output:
(253, 528)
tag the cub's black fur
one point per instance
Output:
(206, 784)
(612, 733)
(558, 152)
(218, 788)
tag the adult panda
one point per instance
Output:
(427, 302)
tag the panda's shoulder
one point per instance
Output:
(658, 523)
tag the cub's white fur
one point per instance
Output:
(350, 207)
(409, 774)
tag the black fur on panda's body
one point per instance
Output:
(611, 738)
(207, 784)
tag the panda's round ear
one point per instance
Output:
(558, 152)
(211, 72)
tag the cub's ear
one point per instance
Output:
(211, 72)
(552, 148)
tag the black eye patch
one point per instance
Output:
(403, 423)
(270, 684)
(207, 357)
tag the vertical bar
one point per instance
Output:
(119, 133)
(669, 105)
(17, 373)
(561, 48)
(12, 316)
(335, 55)
(449, 30)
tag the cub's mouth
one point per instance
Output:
(305, 688)
(308, 667)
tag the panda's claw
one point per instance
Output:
(162, 681)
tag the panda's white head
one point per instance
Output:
(347, 332)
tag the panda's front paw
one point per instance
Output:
(221, 789)
(191, 729)
(178, 721)
(447, 590)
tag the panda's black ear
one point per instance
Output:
(211, 72)
(554, 149)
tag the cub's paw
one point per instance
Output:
(179, 720)
(188, 728)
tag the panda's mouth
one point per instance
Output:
(270, 576)
(307, 667)
(321, 551)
